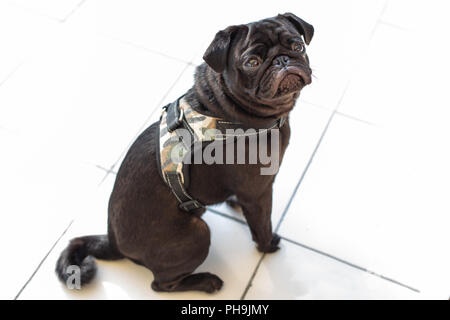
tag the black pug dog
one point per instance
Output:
(253, 74)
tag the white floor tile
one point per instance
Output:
(298, 273)
(340, 41)
(426, 17)
(397, 171)
(399, 85)
(55, 9)
(30, 32)
(378, 198)
(151, 25)
(92, 101)
(231, 258)
(307, 124)
(42, 191)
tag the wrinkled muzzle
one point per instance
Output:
(281, 81)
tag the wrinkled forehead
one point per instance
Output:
(271, 32)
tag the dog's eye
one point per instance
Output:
(252, 63)
(298, 47)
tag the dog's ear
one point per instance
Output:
(217, 52)
(302, 26)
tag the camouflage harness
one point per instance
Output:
(178, 119)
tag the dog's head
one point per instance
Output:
(264, 62)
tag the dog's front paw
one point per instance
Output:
(272, 246)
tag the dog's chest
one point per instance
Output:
(227, 155)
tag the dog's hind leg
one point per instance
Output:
(184, 251)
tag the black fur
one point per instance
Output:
(145, 224)
(81, 252)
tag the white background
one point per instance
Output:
(361, 200)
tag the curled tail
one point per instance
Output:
(81, 252)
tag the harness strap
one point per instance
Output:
(175, 175)
(175, 118)
(187, 203)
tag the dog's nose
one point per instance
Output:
(281, 61)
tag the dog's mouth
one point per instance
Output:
(285, 83)
(289, 84)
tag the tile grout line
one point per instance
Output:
(105, 169)
(350, 264)
(294, 192)
(252, 277)
(11, 73)
(44, 15)
(317, 251)
(394, 26)
(74, 9)
(227, 216)
(249, 284)
(42, 261)
(349, 81)
(378, 21)
(108, 172)
(144, 48)
(34, 12)
(343, 114)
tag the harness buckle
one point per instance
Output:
(175, 116)
(190, 205)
